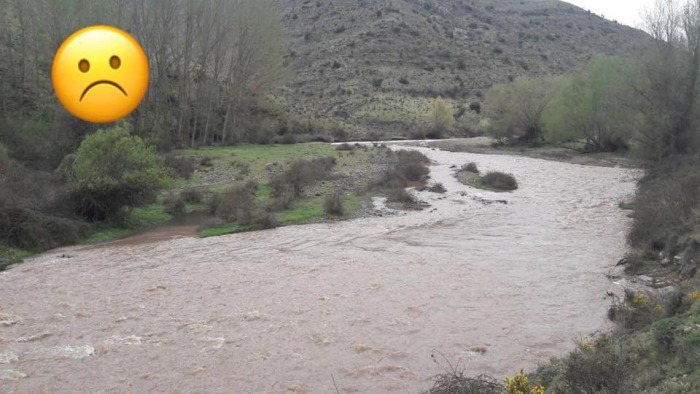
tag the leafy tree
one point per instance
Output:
(515, 110)
(592, 105)
(114, 170)
(441, 117)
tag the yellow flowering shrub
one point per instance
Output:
(695, 295)
(639, 300)
(520, 384)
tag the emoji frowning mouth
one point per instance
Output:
(116, 85)
(104, 57)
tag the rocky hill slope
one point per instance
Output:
(372, 65)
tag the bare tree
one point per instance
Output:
(666, 84)
(207, 58)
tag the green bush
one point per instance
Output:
(113, 171)
(599, 370)
(665, 333)
(499, 181)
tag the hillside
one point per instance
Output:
(375, 65)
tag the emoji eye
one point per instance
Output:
(115, 62)
(84, 65)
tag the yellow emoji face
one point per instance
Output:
(100, 74)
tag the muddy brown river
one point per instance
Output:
(375, 304)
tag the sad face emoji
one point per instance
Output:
(100, 74)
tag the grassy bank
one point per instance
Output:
(655, 345)
(290, 184)
(221, 168)
(215, 169)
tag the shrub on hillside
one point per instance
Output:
(599, 370)
(113, 171)
(499, 181)
(456, 383)
(182, 166)
(266, 221)
(33, 209)
(666, 333)
(284, 197)
(235, 205)
(174, 204)
(301, 173)
(666, 204)
(333, 204)
(29, 229)
(191, 195)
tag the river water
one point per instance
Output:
(371, 305)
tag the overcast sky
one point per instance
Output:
(626, 12)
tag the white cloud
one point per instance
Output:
(627, 12)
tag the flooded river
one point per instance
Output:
(376, 304)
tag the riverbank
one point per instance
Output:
(563, 153)
(367, 300)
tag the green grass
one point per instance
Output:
(230, 228)
(303, 212)
(140, 219)
(626, 205)
(10, 255)
(257, 157)
(262, 196)
(150, 215)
